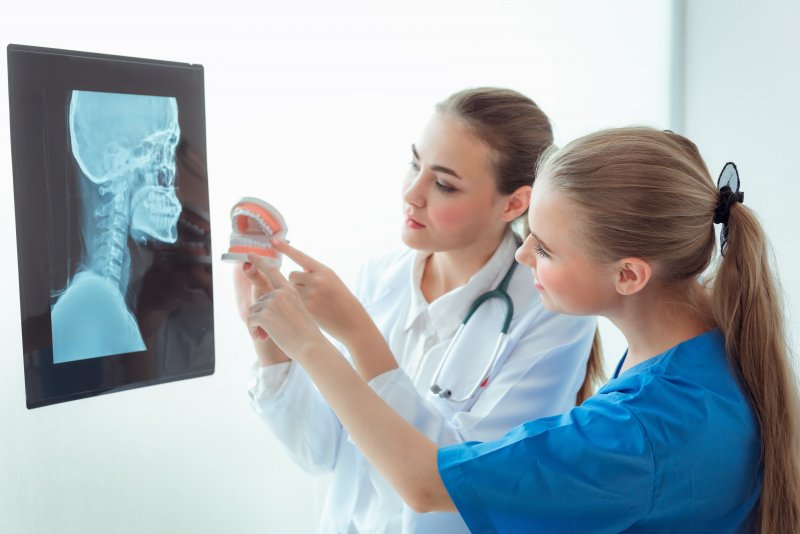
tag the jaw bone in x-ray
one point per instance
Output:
(124, 146)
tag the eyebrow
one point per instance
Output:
(436, 168)
(541, 243)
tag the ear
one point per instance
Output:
(632, 275)
(516, 203)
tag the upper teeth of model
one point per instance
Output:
(263, 226)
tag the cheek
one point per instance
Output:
(451, 215)
(550, 278)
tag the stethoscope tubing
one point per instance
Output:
(500, 292)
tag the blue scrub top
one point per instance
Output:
(670, 445)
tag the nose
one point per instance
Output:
(413, 189)
(524, 255)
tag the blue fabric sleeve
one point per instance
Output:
(591, 469)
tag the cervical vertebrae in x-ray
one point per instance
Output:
(124, 146)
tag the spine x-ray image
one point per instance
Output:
(124, 146)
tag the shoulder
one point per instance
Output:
(697, 376)
(701, 387)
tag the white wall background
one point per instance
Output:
(742, 97)
(312, 105)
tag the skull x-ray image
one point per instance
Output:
(124, 146)
(115, 272)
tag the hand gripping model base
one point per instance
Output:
(255, 223)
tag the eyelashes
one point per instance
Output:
(441, 186)
(444, 188)
(537, 247)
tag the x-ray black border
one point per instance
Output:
(32, 72)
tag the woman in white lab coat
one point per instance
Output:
(470, 177)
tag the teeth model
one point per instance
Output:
(255, 223)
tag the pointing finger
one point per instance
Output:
(300, 258)
(258, 279)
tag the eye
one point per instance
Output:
(540, 251)
(413, 166)
(444, 188)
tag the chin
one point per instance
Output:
(551, 306)
(413, 241)
(556, 308)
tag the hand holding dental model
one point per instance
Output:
(254, 223)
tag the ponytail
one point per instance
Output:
(594, 371)
(746, 306)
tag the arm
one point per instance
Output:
(404, 455)
(399, 451)
(283, 396)
(539, 377)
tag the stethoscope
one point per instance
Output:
(500, 292)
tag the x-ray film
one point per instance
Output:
(113, 230)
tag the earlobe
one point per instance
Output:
(517, 203)
(632, 274)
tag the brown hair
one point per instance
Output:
(648, 194)
(519, 132)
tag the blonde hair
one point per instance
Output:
(647, 193)
(519, 132)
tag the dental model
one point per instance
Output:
(255, 223)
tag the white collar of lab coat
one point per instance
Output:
(449, 310)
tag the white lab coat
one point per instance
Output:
(542, 366)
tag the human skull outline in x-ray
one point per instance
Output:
(124, 146)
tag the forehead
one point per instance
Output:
(449, 141)
(551, 216)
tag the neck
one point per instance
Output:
(653, 323)
(447, 270)
(106, 234)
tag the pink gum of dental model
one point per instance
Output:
(255, 223)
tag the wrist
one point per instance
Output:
(310, 348)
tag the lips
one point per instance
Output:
(536, 284)
(413, 223)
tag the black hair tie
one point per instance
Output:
(729, 194)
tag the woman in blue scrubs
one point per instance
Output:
(698, 428)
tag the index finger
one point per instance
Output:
(300, 258)
(256, 278)
(266, 267)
